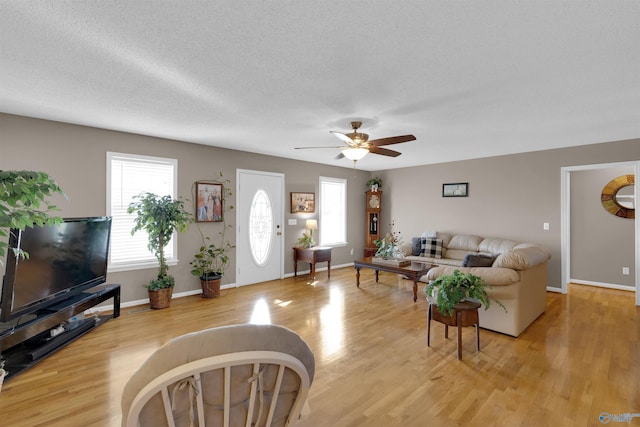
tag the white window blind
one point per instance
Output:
(333, 211)
(127, 176)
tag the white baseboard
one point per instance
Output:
(603, 285)
(144, 301)
(198, 291)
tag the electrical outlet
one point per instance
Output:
(625, 271)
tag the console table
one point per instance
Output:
(312, 256)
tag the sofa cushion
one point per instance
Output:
(491, 275)
(458, 254)
(432, 234)
(465, 242)
(496, 246)
(446, 238)
(522, 258)
(431, 248)
(416, 246)
(478, 260)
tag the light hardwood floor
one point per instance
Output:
(579, 359)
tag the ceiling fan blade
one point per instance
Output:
(304, 148)
(342, 137)
(339, 156)
(384, 151)
(392, 140)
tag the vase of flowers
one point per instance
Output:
(389, 245)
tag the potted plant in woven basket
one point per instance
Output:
(209, 264)
(450, 289)
(159, 217)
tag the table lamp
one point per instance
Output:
(312, 224)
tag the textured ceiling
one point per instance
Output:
(468, 78)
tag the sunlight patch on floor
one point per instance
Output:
(332, 323)
(260, 315)
(281, 303)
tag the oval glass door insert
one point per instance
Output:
(261, 227)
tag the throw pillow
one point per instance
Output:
(477, 260)
(416, 246)
(431, 248)
(431, 234)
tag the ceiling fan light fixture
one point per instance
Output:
(355, 153)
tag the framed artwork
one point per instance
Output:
(303, 202)
(456, 189)
(208, 201)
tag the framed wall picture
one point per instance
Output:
(456, 189)
(208, 201)
(303, 202)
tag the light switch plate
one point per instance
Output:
(293, 221)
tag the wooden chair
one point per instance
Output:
(240, 375)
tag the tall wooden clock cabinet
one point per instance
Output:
(374, 206)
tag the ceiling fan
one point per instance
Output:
(358, 144)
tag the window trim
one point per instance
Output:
(343, 182)
(150, 262)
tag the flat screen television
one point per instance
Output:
(64, 260)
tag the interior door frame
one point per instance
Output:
(565, 235)
(281, 219)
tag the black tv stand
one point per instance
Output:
(25, 344)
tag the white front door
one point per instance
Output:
(259, 226)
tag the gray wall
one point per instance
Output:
(509, 196)
(601, 243)
(76, 157)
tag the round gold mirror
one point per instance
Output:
(618, 196)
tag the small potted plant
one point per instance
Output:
(374, 183)
(159, 217)
(209, 264)
(306, 241)
(453, 288)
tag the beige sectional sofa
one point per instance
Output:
(517, 274)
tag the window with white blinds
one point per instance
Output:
(333, 211)
(127, 176)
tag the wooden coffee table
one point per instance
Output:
(413, 271)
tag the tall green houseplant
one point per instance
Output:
(24, 202)
(159, 216)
